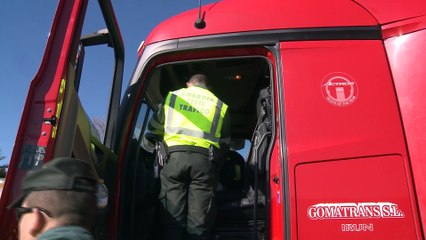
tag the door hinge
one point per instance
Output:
(50, 121)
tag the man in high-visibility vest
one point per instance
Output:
(194, 125)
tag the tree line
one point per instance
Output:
(4, 166)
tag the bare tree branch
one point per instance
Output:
(100, 125)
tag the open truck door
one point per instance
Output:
(54, 122)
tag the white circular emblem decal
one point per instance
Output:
(339, 89)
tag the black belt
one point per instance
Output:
(188, 148)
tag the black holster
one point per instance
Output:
(215, 156)
(214, 153)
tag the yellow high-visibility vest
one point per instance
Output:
(193, 116)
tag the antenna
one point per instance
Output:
(200, 23)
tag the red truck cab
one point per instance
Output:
(326, 103)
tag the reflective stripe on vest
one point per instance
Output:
(201, 116)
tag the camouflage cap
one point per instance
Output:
(63, 173)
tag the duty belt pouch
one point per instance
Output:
(160, 158)
(215, 157)
(162, 154)
(214, 154)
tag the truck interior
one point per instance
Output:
(243, 83)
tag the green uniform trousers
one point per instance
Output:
(188, 182)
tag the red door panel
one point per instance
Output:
(37, 130)
(364, 198)
(345, 142)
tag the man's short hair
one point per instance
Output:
(66, 187)
(59, 174)
(67, 207)
(198, 79)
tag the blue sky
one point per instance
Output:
(24, 27)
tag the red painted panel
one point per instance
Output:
(369, 125)
(407, 57)
(230, 16)
(386, 11)
(340, 104)
(362, 198)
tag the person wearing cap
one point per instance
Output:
(58, 201)
(192, 124)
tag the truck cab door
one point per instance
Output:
(54, 122)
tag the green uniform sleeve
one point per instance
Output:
(156, 123)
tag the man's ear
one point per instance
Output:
(38, 223)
